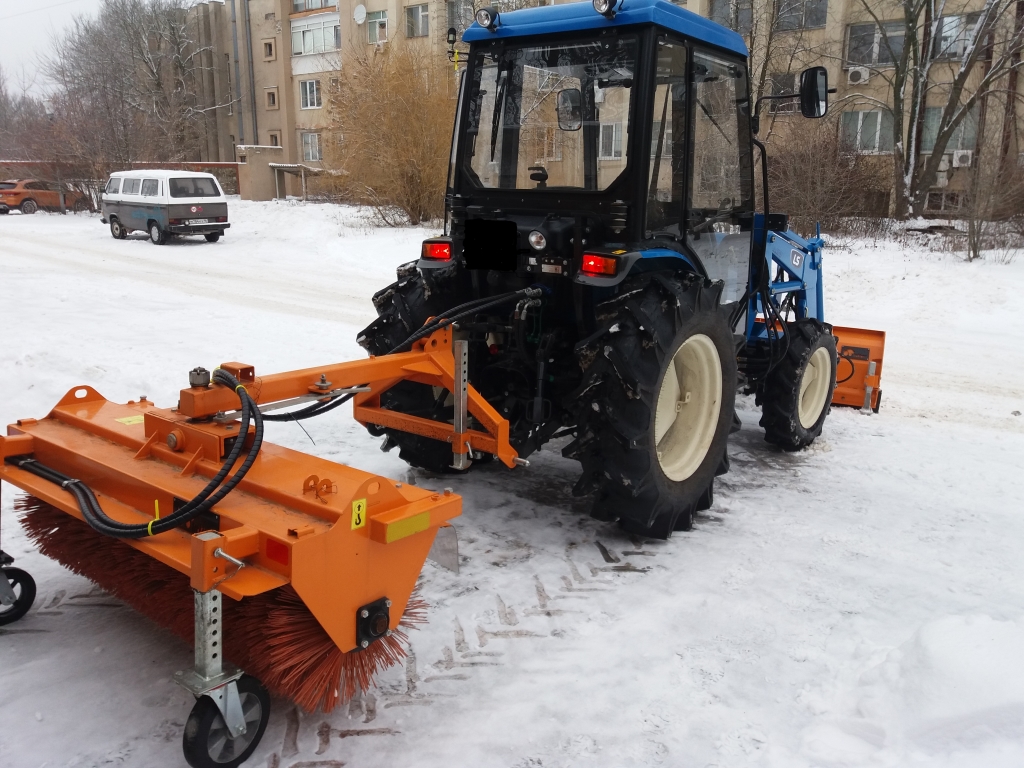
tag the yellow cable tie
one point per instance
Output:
(156, 506)
(240, 386)
(149, 528)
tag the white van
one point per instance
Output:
(165, 204)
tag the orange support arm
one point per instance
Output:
(431, 362)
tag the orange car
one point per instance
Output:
(30, 195)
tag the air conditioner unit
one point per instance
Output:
(858, 75)
(962, 158)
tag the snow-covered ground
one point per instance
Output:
(860, 603)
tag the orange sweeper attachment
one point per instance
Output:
(169, 509)
(858, 367)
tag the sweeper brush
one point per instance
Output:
(169, 509)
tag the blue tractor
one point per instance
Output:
(603, 159)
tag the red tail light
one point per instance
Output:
(437, 250)
(222, 218)
(599, 266)
(172, 222)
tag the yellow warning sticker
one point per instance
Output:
(130, 420)
(358, 513)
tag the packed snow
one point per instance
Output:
(858, 603)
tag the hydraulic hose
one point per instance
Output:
(202, 502)
(449, 317)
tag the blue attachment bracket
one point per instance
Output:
(794, 265)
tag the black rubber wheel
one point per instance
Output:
(212, 237)
(25, 588)
(403, 307)
(797, 393)
(117, 230)
(29, 206)
(156, 235)
(664, 342)
(206, 742)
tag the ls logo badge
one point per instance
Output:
(796, 257)
(358, 513)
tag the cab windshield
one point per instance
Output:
(552, 116)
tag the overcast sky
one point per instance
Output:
(26, 28)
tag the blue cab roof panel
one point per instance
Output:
(579, 16)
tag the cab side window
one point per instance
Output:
(113, 187)
(720, 210)
(667, 179)
(150, 188)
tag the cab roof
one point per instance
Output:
(579, 16)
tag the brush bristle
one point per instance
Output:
(272, 636)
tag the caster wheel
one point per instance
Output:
(24, 587)
(206, 741)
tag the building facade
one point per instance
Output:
(270, 66)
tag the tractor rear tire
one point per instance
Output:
(402, 308)
(798, 391)
(656, 403)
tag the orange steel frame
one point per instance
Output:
(340, 536)
(858, 348)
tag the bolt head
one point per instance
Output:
(365, 644)
(364, 613)
(387, 603)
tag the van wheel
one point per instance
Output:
(117, 230)
(29, 206)
(212, 237)
(157, 235)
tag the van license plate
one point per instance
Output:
(193, 222)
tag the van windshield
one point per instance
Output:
(198, 187)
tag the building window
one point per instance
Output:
(460, 13)
(298, 6)
(867, 132)
(664, 143)
(417, 22)
(309, 94)
(965, 136)
(377, 27)
(551, 150)
(269, 50)
(943, 202)
(611, 141)
(802, 14)
(311, 147)
(735, 14)
(783, 82)
(869, 44)
(275, 138)
(317, 36)
(270, 16)
(952, 35)
(270, 94)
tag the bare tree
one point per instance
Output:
(943, 51)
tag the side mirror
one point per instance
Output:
(814, 92)
(569, 107)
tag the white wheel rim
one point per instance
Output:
(688, 406)
(814, 387)
(154, 232)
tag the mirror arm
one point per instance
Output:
(756, 119)
(764, 177)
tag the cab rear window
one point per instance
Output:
(198, 187)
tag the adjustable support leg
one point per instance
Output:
(461, 396)
(212, 676)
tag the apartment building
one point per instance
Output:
(273, 63)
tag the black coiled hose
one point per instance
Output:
(203, 501)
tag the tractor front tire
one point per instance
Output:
(402, 308)
(656, 403)
(798, 391)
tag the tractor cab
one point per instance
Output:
(594, 140)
